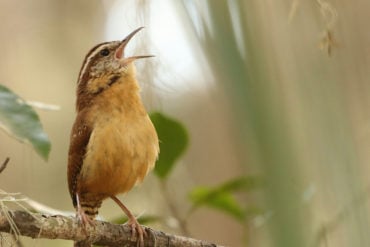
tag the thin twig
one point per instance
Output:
(3, 166)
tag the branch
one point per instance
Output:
(62, 227)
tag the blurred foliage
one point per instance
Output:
(18, 119)
(144, 220)
(173, 140)
(301, 115)
(239, 63)
(222, 197)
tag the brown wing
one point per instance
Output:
(80, 136)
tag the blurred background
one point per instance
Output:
(274, 90)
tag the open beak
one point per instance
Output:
(121, 48)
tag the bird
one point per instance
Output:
(113, 143)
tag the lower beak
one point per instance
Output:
(121, 48)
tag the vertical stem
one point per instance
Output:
(174, 210)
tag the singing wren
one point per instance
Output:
(113, 142)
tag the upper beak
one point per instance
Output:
(121, 48)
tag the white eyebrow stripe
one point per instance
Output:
(90, 56)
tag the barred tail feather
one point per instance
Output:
(91, 211)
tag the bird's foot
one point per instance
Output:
(84, 220)
(137, 230)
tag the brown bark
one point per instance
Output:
(62, 227)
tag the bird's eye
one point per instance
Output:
(104, 52)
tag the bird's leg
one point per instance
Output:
(81, 215)
(132, 222)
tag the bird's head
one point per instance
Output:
(105, 64)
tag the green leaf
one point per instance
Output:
(222, 200)
(173, 140)
(245, 183)
(19, 120)
(221, 197)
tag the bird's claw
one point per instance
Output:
(137, 231)
(84, 221)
